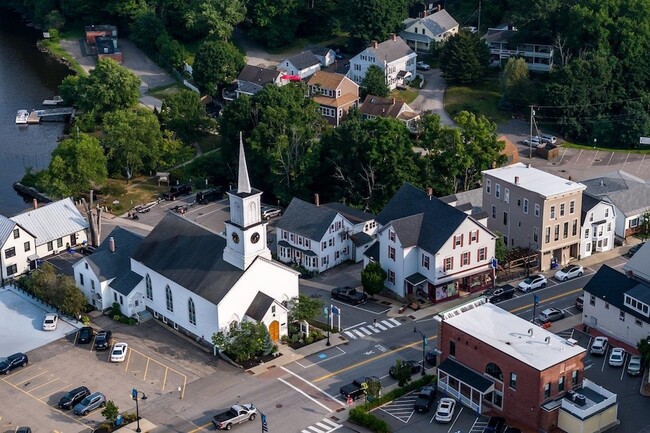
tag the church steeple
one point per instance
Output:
(243, 182)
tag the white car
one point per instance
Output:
(422, 66)
(533, 282)
(50, 322)
(569, 272)
(617, 357)
(445, 410)
(118, 354)
(548, 138)
(599, 346)
(269, 212)
(535, 141)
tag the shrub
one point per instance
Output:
(114, 189)
(361, 417)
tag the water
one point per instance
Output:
(27, 76)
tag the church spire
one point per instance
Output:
(243, 183)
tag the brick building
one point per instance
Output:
(494, 361)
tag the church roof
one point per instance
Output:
(260, 305)
(243, 182)
(107, 264)
(189, 255)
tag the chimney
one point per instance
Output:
(438, 8)
(374, 44)
(35, 203)
(516, 180)
(430, 192)
(316, 199)
(111, 244)
(393, 36)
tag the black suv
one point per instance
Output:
(496, 424)
(177, 191)
(85, 335)
(103, 340)
(208, 195)
(13, 361)
(73, 397)
(425, 399)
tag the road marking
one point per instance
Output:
(395, 321)
(54, 392)
(326, 424)
(200, 428)
(366, 361)
(641, 164)
(334, 399)
(324, 360)
(578, 157)
(40, 386)
(610, 158)
(564, 153)
(33, 377)
(380, 326)
(366, 331)
(305, 394)
(552, 298)
(370, 352)
(628, 155)
(595, 157)
(359, 333)
(354, 326)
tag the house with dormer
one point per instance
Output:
(335, 94)
(392, 56)
(320, 237)
(197, 281)
(252, 79)
(421, 34)
(598, 224)
(430, 248)
(376, 106)
(301, 65)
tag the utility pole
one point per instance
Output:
(530, 136)
(478, 28)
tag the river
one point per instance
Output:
(27, 77)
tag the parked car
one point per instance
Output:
(413, 366)
(496, 424)
(535, 141)
(500, 293)
(422, 66)
(208, 195)
(176, 191)
(349, 295)
(118, 354)
(12, 362)
(431, 356)
(533, 282)
(426, 396)
(85, 335)
(616, 357)
(569, 272)
(356, 389)
(548, 138)
(599, 346)
(92, 402)
(634, 365)
(50, 322)
(634, 249)
(269, 212)
(103, 340)
(550, 315)
(23, 430)
(445, 410)
(72, 398)
(580, 302)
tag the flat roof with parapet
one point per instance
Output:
(532, 179)
(514, 336)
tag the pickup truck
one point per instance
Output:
(500, 293)
(349, 295)
(237, 414)
(177, 191)
(357, 388)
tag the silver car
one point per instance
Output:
(634, 365)
(92, 402)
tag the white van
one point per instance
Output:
(547, 138)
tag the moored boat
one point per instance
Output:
(56, 100)
(21, 117)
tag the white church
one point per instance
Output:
(191, 278)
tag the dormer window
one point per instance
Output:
(637, 305)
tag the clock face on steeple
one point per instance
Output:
(255, 237)
(235, 238)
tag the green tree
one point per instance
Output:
(215, 18)
(69, 89)
(516, 82)
(304, 308)
(375, 19)
(216, 63)
(402, 372)
(242, 343)
(69, 299)
(183, 113)
(500, 248)
(108, 87)
(644, 349)
(372, 278)
(54, 20)
(273, 23)
(464, 58)
(145, 29)
(132, 139)
(374, 83)
(171, 50)
(111, 411)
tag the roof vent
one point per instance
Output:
(530, 332)
(571, 342)
(528, 165)
(516, 180)
(111, 244)
(602, 182)
(547, 340)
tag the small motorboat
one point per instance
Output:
(56, 100)
(21, 117)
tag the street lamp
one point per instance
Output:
(329, 324)
(424, 347)
(528, 256)
(134, 395)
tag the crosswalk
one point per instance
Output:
(365, 331)
(324, 426)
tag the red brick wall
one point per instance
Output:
(521, 407)
(92, 34)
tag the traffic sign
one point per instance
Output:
(265, 426)
(335, 310)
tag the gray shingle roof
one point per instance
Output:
(306, 219)
(189, 255)
(361, 238)
(126, 282)
(352, 214)
(52, 221)
(588, 203)
(610, 285)
(630, 194)
(439, 22)
(260, 305)
(108, 265)
(304, 60)
(373, 251)
(391, 50)
(258, 75)
(432, 221)
(6, 228)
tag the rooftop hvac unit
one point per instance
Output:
(571, 394)
(571, 342)
(580, 399)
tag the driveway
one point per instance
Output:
(431, 96)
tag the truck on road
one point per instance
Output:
(357, 388)
(499, 293)
(237, 414)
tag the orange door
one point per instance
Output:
(274, 330)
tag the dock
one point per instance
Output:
(51, 114)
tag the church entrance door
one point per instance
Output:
(274, 330)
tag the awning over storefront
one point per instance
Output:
(467, 376)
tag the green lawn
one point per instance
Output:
(478, 98)
(407, 95)
(164, 91)
(603, 149)
(55, 48)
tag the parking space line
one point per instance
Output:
(54, 392)
(628, 155)
(146, 368)
(640, 164)
(40, 386)
(563, 153)
(167, 369)
(578, 157)
(33, 377)
(595, 157)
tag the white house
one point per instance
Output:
(597, 226)
(431, 249)
(327, 56)
(321, 237)
(252, 79)
(302, 65)
(393, 56)
(16, 246)
(618, 304)
(630, 196)
(421, 33)
(200, 282)
(56, 226)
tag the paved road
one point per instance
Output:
(431, 96)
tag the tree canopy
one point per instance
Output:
(183, 113)
(375, 19)
(216, 63)
(464, 58)
(374, 82)
(244, 342)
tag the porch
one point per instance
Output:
(464, 384)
